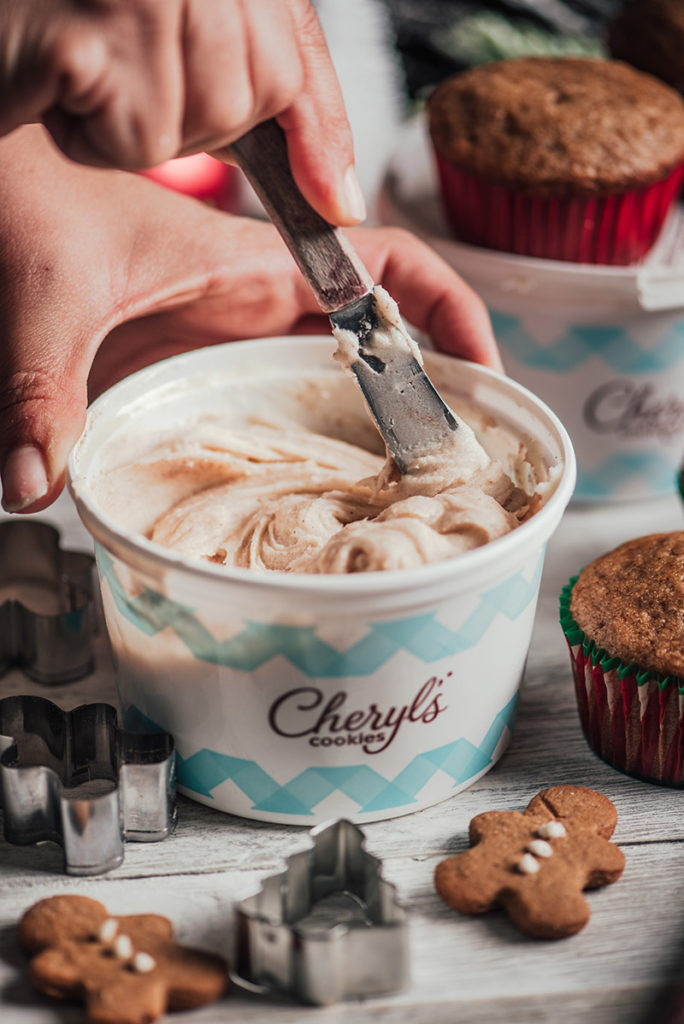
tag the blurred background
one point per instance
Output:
(390, 54)
(438, 37)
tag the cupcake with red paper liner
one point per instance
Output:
(623, 620)
(560, 158)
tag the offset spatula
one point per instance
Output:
(411, 416)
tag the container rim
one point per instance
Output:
(106, 531)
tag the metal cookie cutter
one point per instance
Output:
(46, 614)
(327, 928)
(77, 779)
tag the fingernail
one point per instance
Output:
(24, 479)
(354, 202)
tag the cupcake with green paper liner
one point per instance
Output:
(623, 619)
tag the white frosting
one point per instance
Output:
(108, 930)
(552, 830)
(388, 339)
(540, 848)
(123, 947)
(286, 482)
(143, 963)
(311, 513)
(296, 501)
(527, 865)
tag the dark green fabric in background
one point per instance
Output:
(438, 37)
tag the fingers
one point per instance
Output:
(430, 294)
(232, 278)
(241, 65)
(42, 412)
(53, 309)
(219, 279)
(29, 76)
(258, 290)
(131, 83)
(185, 274)
(121, 86)
(64, 281)
(46, 300)
(107, 80)
(318, 134)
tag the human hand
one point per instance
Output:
(134, 274)
(131, 83)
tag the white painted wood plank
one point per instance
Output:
(464, 965)
(540, 755)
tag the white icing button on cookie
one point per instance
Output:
(540, 848)
(143, 963)
(123, 947)
(108, 930)
(552, 830)
(527, 864)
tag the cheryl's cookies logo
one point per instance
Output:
(629, 409)
(305, 713)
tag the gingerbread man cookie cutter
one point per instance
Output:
(328, 928)
(77, 779)
(46, 604)
(536, 864)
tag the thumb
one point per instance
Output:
(43, 401)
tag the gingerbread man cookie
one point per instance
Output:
(535, 865)
(127, 970)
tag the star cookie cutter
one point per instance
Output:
(75, 778)
(46, 609)
(328, 928)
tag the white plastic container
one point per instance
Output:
(603, 346)
(296, 698)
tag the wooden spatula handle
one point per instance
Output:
(323, 253)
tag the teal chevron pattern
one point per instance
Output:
(258, 643)
(372, 792)
(579, 343)
(613, 473)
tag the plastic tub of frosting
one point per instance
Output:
(604, 346)
(299, 696)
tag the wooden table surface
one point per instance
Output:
(462, 969)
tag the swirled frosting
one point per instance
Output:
(261, 484)
(269, 498)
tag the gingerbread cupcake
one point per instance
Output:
(649, 34)
(623, 619)
(561, 158)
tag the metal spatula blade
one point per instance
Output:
(410, 414)
(411, 417)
